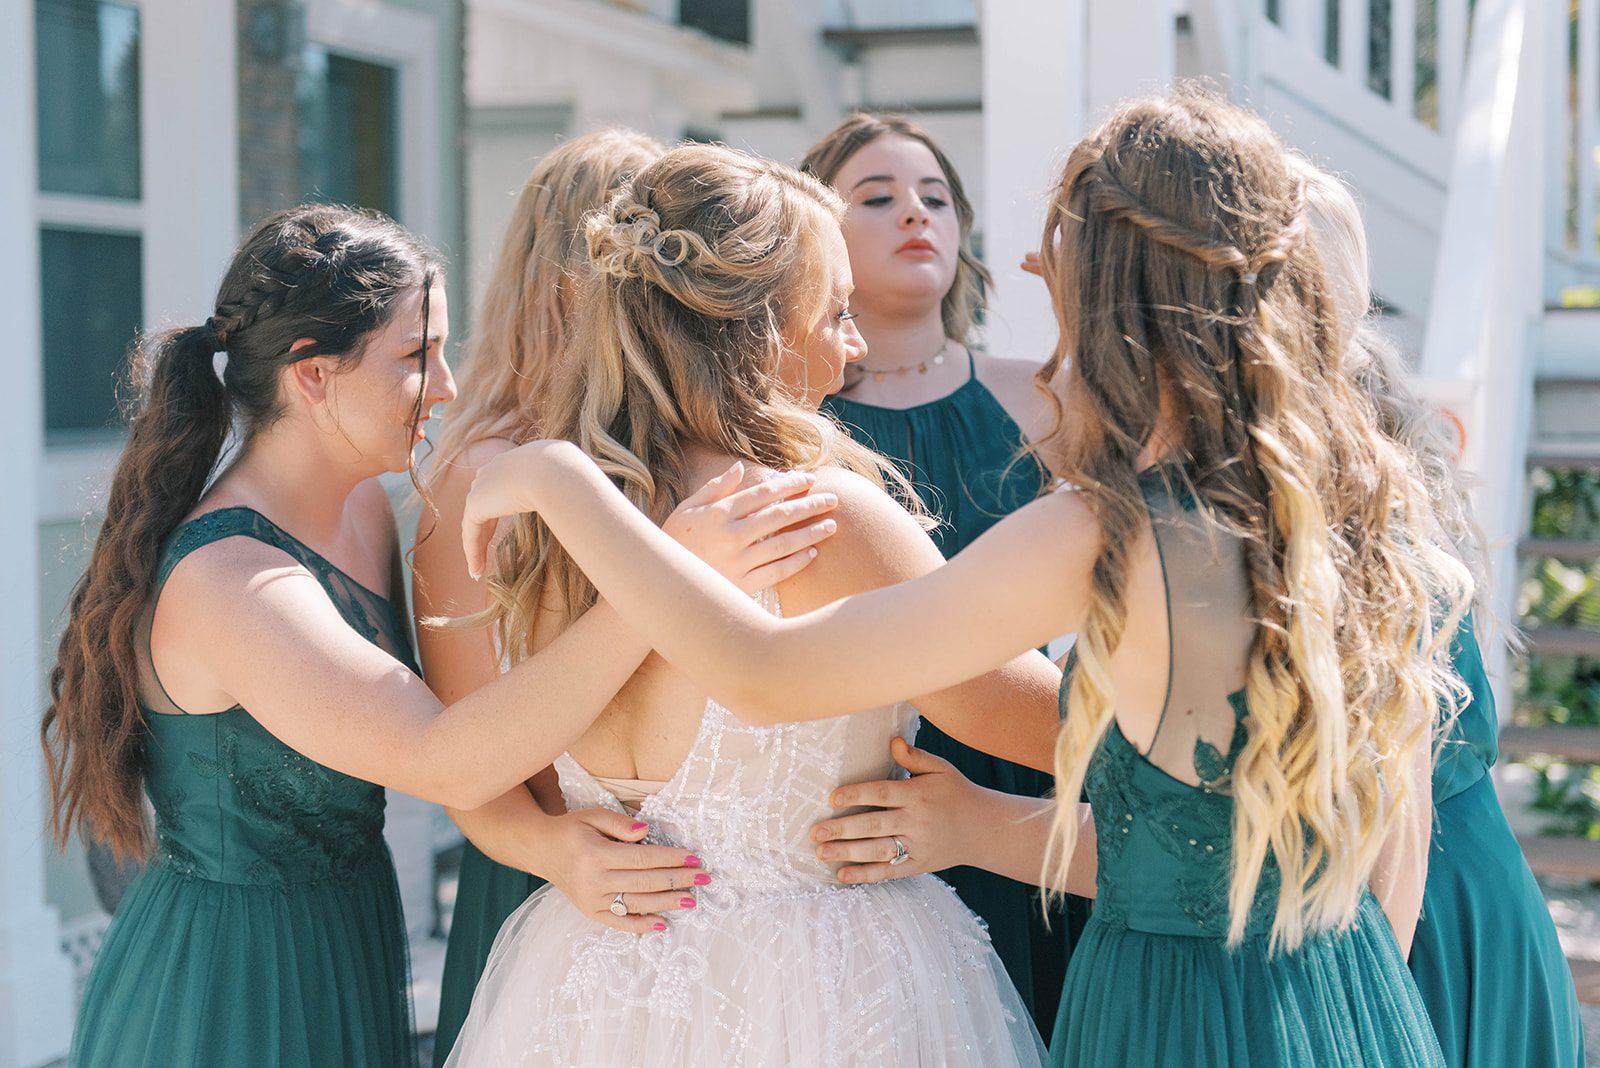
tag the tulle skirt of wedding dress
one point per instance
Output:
(899, 974)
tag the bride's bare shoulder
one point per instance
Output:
(878, 543)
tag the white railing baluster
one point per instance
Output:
(1452, 59)
(1354, 22)
(1299, 20)
(1403, 56)
(1588, 126)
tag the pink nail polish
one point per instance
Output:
(639, 826)
(687, 902)
(691, 861)
(702, 879)
(660, 926)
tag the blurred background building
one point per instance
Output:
(141, 137)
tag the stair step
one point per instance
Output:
(1564, 454)
(1586, 977)
(1565, 858)
(1580, 745)
(1569, 549)
(1563, 641)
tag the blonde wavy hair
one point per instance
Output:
(521, 325)
(1177, 255)
(702, 271)
(964, 301)
(1379, 366)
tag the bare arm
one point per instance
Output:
(1401, 873)
(1011, 711)
(1021, 584)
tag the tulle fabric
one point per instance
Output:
(1486, 959)
(1341, 1000)
(201, 974)
(893, 974)
(486, 894)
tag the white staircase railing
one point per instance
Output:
(1481, 347)
(1572, 186)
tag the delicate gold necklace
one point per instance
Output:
(880, 373)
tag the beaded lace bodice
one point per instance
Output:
(745, 798)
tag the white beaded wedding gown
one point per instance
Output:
(779, 964)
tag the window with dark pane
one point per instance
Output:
(728, 20)
(92, 297)
(1426, 103)
(1380, 48)
(1272, 11)
(87, 77)
(348, 131)
(1331, 31)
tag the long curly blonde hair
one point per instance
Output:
(1177, 255)
(702, 271)
(1380, 367)
(521, 325)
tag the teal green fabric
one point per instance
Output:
(486, 893)
(266, 930)
(960, 453)
(1153, 981)
(1486, 957)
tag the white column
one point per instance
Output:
(1353, 42)
(35, 981)
(1452, 56)
(190, 148)
(1403, 56)
(1134, 50)
(1304, 22)
(1034, 79)
(1588, 126)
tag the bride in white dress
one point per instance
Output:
(715, 321)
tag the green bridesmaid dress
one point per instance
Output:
(266, 930)
(1486, 958)
(486, 893)
(1152, 980)
(960, 452)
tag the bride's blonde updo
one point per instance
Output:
(703, 272)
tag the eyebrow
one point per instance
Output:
(415, 339)
(890, 178)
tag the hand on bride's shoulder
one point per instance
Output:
(878, 543)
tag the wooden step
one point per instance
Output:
(1571, 550)
(1564, 454)
(1564, 858)
(1578, 745)
(1562, 641)
(1586, 977)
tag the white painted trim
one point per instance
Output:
(75, 478)
(1588, 123)
(1452, 59)
(1366, 114)
(634, 35)
(409, 42)
(1403, 56)
(35, 981)
(1354, 23)
(101, 214)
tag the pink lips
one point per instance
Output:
(916, 245)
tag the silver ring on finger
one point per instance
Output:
(618, 906)
(901, 853)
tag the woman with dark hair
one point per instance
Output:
(955, 419)
(237, 651)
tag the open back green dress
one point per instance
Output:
(1486, 957)
(266, 930)
(1152, 981)
(960, 452)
